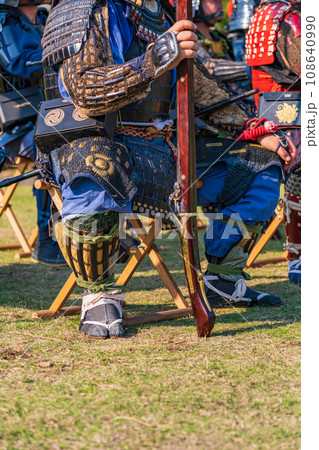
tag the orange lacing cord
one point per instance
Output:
(148, 134)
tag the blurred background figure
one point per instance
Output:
(21, 29)
(273, 51)
(215, 50)
(240, 13)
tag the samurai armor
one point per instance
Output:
(51, 88)
(262, 35)
(66, 30)
(243, 162)
(208, 91)
(157, 104)
(154, 176)
(97, 158)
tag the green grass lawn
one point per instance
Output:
(161, 386)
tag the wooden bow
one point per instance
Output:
(186, 198)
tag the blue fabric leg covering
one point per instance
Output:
(257, 205)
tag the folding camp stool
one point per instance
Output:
(265, 238)
(21, 164)
(145, 248)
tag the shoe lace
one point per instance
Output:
(237, 295)
(294, 266)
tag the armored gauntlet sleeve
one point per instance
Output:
(101, 89)
(208, 91)
(97, 86)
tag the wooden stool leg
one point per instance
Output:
(6, 196)
(32, 239)
(264, 262)
(168, 280)
(31, 242)
(147, 240)
(160, 265)
(60, 300)
(5, 207)
(272, 228)
(18, 230)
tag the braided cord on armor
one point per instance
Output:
(256, 128)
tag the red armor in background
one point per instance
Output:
(262, 35)
(265, 83)
(275, 24)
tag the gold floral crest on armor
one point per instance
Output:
(286, 113)
(100, 164)
(54, 117)
(78, 115)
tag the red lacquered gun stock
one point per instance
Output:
(186, 178)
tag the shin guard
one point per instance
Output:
(90, 245)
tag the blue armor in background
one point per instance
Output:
(20, 68)
(243, 11)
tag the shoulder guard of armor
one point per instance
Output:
(66, 30)
(5, 13)
(262, 35)
(293, 20)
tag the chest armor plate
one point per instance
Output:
(158, 103)
(262, 35)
